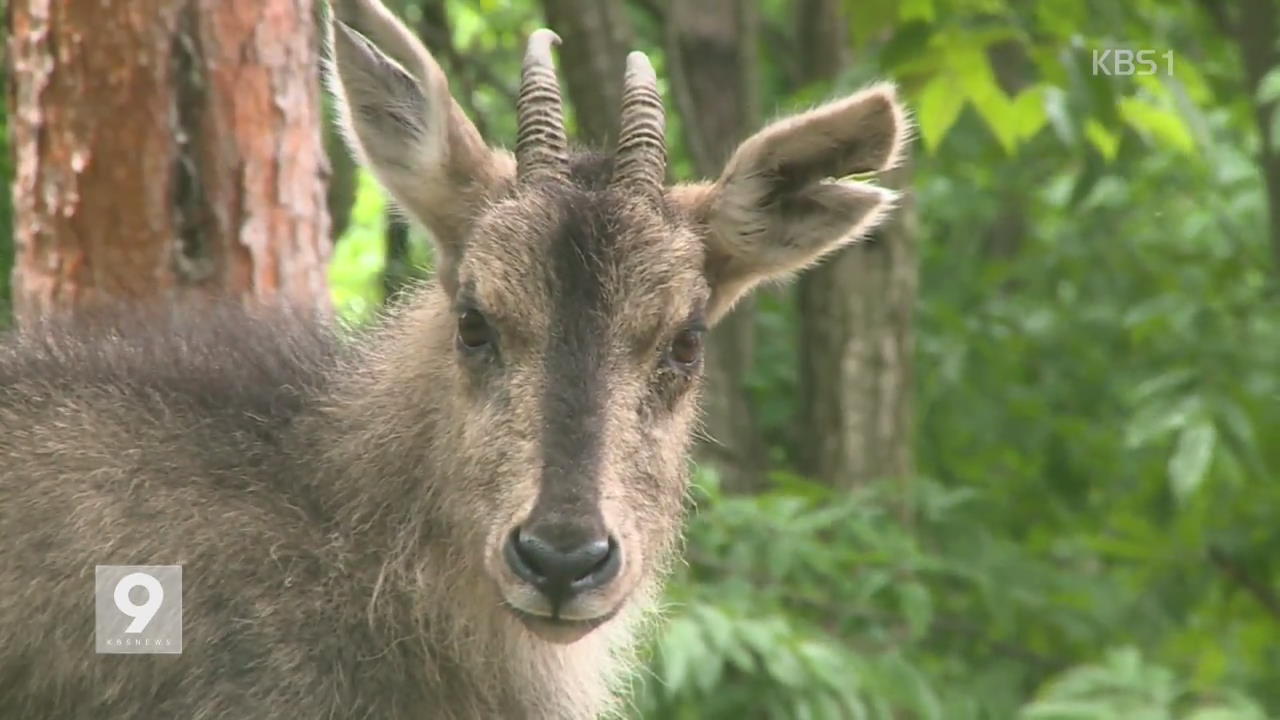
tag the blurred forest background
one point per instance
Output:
(1013, 457)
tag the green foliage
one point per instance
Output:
(355, 273)
(806, 603)
(772, 585)
(945, 54)
(1124, 685)
(359, 264)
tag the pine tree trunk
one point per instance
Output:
(855, 312)
(166, 148)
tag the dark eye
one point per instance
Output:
(473, 330)
(686, 347)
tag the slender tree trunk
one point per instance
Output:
(166, 148)
(822, 40)
(597, 36)
(398, 272)
(856, 320)
(715, 74)
(1004, 238)
(1254, 26)
(1257, 28)
(856, 356)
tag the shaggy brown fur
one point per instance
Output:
(341, 505)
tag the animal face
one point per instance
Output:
(580, 317)
(579, 290)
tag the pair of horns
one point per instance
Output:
(542, 150)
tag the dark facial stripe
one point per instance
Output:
(576, 391)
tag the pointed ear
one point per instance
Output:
(780, 205)
(404, 126)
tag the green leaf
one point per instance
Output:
(917, 606)
(909, 45)
(872, 19)
(1222, 713)
(1269, 87)
(1156, 419)
(1066, 710)
(1160, 125)
(1107, 142)
(911, 687)
(829, 667)
(979, 83)
(1062, 18)
(359, 257)
(1190, 460)
(716, 625)
(1029, 113)
(785, 667)
(1059, 114)
(681, 645)
(468, 23)
(1166, 381)
(916, 10)
(939, 106)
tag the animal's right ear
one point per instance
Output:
(785, 199)
(404, 125)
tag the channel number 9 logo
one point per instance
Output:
(144, 613)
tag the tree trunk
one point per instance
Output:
(164, 149)
(1257, 27)
(856, 321)
(1004, 238)
(822, 40)
(597, 37)
(714, 69)
(398, 273)
(856, 354)
(1253, 25)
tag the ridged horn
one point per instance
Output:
(541, 148)
(641, 160)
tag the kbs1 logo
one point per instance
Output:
(138, 609)
(1124, 62)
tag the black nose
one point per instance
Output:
(562, 569)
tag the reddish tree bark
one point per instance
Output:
(166, 148)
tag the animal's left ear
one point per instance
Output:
(781, 203)
(399, 117)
